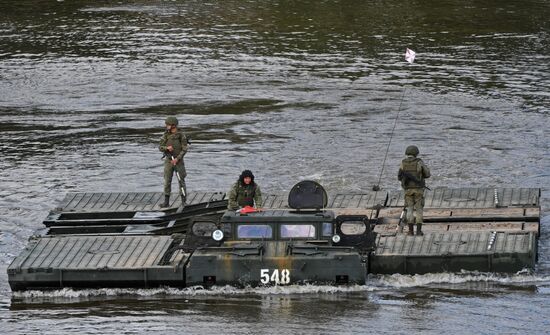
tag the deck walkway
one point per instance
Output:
(126, 240)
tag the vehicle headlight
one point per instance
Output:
(336, 238)
(217, 235)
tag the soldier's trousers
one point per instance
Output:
(169, 171)
(414, 202)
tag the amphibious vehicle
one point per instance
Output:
(306, 236)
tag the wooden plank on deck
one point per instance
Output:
(512, 213)
(472, 197)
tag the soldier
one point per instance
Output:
(174, 146)
(412, 174)
(245, 192)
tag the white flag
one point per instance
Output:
(409, 55)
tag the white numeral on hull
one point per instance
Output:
(277, 277)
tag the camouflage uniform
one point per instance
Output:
(178, 141)
(412, 173)
(242, 195)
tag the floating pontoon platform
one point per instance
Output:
(126, 240)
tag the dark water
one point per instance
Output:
(291, 90)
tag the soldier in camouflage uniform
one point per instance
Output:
(412, 174)
(245, 192)
(174, 145)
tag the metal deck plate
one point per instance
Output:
(472, 197)
(130, 202)
(438, 198)
(434, 252)
(275, 201)
(390, 229)
(92, 252)
(453, 243)
(360, 200)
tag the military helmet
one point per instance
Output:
(171, 120)
(412, 150)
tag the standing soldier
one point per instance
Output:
(245, 192)
(174, 146)
(412, 174)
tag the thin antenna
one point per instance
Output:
(377, 186)
(409, 57)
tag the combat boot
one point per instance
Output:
(419, 229)
(166, 202)
(411, 229)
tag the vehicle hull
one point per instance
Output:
(276, 263)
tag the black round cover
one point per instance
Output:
(307, 194)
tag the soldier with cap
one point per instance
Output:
(412, 175)
(245, 192)
(174, 146)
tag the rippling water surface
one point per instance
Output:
(291, 90)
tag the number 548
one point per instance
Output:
(276, 277)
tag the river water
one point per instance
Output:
(290, 90)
